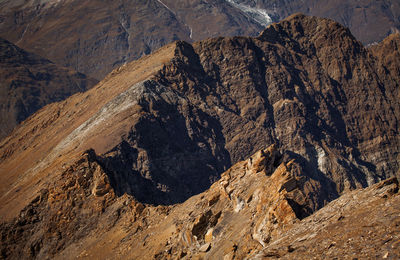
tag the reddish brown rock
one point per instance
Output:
(360, 224)
(166, 126)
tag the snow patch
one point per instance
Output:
(258, 15)
(169, 9)
(23, 34)
(166, 6)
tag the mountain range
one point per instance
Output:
(219, 148)
(95, 37)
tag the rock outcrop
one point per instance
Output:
(173, 121)
(257, 209)
(29, 82)
(64, 212)
(387, 53)
(360, 224)
(299, 84)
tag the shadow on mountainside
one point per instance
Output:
(168, 157)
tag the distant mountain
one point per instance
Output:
(96, 36)
(28, 82)
(369, 21)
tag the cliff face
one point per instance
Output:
(29, 82)
(362, 223)
(165, 127)
(387, 53)
(304, 83)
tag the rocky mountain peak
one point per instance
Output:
(299, 26)
(206, 106)
(182, 141)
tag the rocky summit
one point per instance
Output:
(224, 148)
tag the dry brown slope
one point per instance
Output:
(93, 37)
(24, 153)
(254, 210)
(360, 224)
(65, 219)
(304, 83)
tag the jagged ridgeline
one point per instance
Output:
(163, 128)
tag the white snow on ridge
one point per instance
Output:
(257, 14)
(166, 6)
